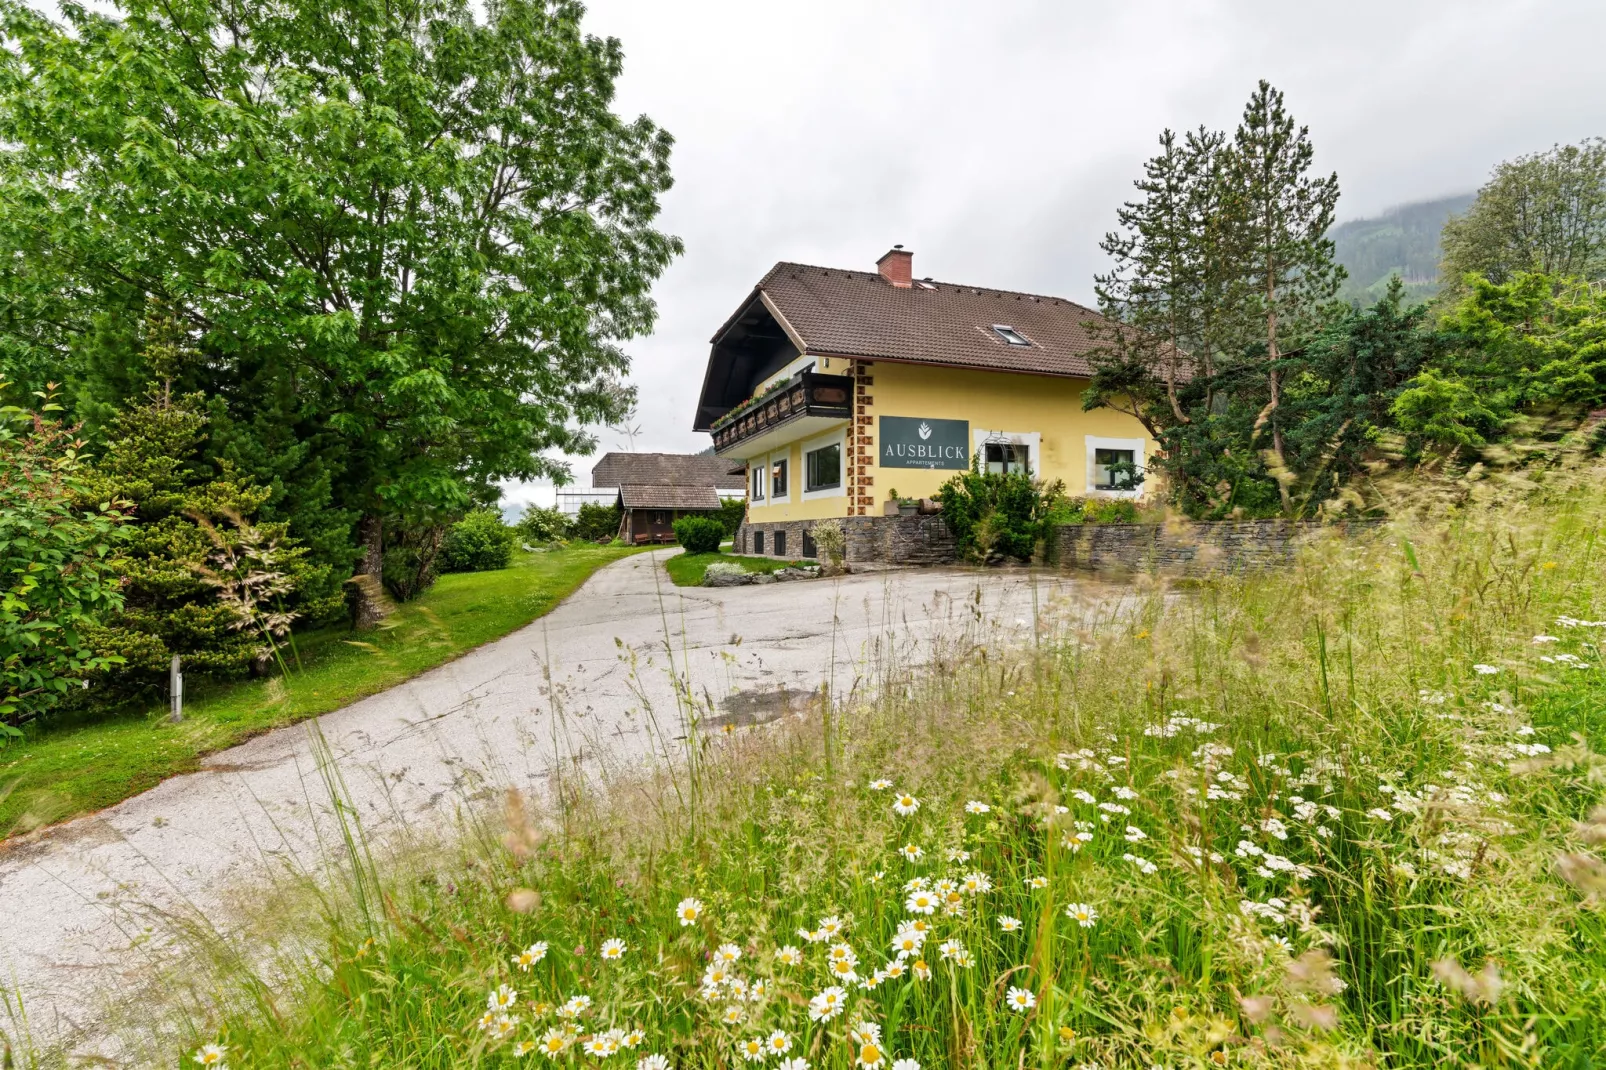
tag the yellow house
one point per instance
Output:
(834, 389)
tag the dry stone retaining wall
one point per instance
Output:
(1188, 549)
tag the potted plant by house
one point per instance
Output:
(906, 506)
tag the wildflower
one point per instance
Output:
(727, 953)
(530, 956)
(525, 1047)
(880, 785)
(798, 1063)
(1124, 792)
(904, 805)
(753, 1049)
(738, 989)
(831, 926)
(953, 905)
(863, 1032)
(871, 1055)
(905, 1064)
(920, 902)
(596, 1047)
(486, 1020)
(789, 956)
(964, 959)
(633, 1039)
(1082, 913)
(504, 1025)
(211, 1055)
(1066, 1034)
(975, 806)
(553, 1043)
(842, 953)
(922, 971)
(976, 884)
(827, 1004)
(812, 936)
(907, 942)
(732, 1015)
(912, 852)
(778, 1042)
(957, 854)
(1546, 639)
(1008, 924)
(652, 1062)
(892, 970)
(1485, 670)
(1135, 834)
(950, 949)
(844, 971)
(1082, 796)
(1144, 865)
(1381, 814)
(716, 974)
(1036, 882)
(613, 949)
(1020, 1000)
(503, 998)
(758, 991)
(689, 910)
(574, 1007)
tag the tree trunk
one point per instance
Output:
(371, 606)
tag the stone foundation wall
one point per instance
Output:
(1189, 549)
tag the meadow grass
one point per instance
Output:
(1346, 814)
(80, 765)
(687, 570)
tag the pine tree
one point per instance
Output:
(1279, 218)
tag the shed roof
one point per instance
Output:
(667, 496)
(665, 469)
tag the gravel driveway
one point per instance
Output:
(83, 902)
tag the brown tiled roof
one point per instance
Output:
(663, 496)
(860, 314)
(666, 469)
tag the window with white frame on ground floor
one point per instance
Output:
(1005, 457)
(778, 479)
(1115, 466)
(823, 467)
(757, 474)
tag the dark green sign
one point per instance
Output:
(913, 442)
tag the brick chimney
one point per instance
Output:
(897, 267)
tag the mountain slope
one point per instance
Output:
(1403, 241)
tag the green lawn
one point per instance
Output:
(70, 769)
(686, 570)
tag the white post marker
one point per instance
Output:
(175, 687)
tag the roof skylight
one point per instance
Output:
(1010, 335)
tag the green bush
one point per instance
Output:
(57, 567)
(539, 525)
(479, 542)
(995, 516)
(732, 511)
(699, 534)
(597, 522)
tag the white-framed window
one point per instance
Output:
(825, 467)
(780, 483)
(1008, 451)
(1115, 466)
(757, 473)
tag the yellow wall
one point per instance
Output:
(795, 508)
(998, 401)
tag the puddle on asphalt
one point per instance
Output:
(756, 706)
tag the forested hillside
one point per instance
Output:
(1402, 241)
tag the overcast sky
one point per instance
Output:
(996, 138)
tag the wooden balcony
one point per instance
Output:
(805, 403)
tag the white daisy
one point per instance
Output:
(904, 805)
(613, 949)
(1083, 914)
(1020, 1000)
(1008, 924)
(689, 910)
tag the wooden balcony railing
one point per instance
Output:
(808, 395)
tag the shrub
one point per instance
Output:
(830, 541)
(539, 525)
(732, 511)
(479, 542)
(996, 516)
(699, 534)
(597, 521)
(57, 566)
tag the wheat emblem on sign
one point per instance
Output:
(925, 430)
